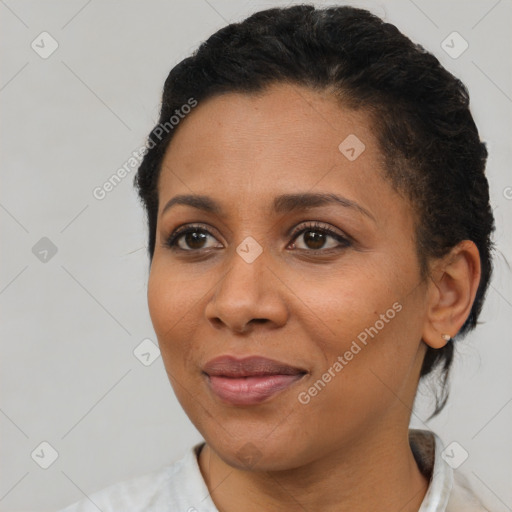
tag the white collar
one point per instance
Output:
(427, 448)
(444, 493)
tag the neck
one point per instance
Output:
(377, 473)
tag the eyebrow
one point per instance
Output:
(285, 203)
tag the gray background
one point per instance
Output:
(70, 324)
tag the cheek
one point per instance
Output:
(350, 300)
(170, 304)
(370, 317)
(160, 301)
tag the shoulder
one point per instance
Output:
(177, 486)
(462, 498)
(449, 490)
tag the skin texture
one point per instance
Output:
(299, 302)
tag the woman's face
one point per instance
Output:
(260, 275)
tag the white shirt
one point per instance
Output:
(180, 487)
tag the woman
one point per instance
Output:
(319, 238)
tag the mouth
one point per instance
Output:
(251, 380)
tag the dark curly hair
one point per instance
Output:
(433, 153)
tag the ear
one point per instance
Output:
(453, 283)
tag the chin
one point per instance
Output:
(260, 449)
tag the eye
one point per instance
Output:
(191, 236)
(316, 236)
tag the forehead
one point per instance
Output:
(285, 139)
(279, 114)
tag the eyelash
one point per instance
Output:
(344, 241)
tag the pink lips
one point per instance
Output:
(250, 380)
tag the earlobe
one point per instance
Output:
(452, 290)
(437, 340)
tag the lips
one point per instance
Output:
(250, 380)
(229, 366)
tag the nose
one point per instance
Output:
(247, 294)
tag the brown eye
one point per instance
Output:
(190, 238)
(315, 237)
(195, 239)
